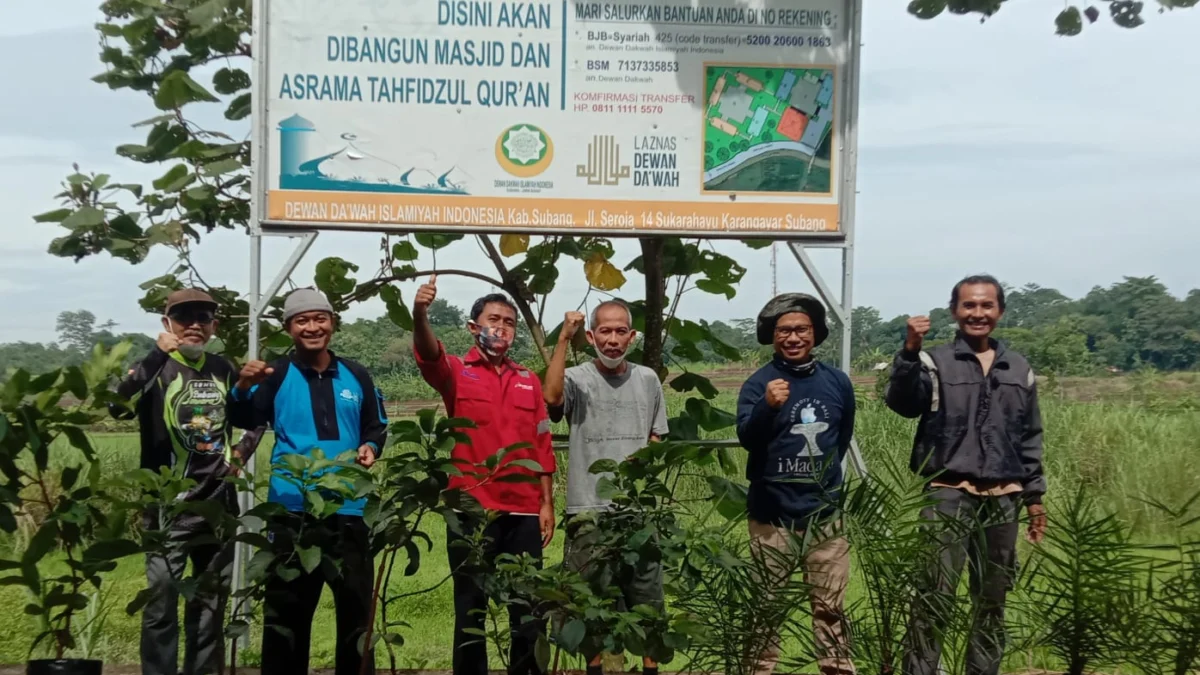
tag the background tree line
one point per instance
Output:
(1132, 324)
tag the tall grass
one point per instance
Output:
(1119, 452)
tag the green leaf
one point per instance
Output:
(88, 216)
(404, 251)
(76, 382)
(80, 440)
(310, 557)
(572, 635)
(176, 174)
(55, 216)
(926, 9)
(239, 108)
(603, 466)
(434, 240)
(530, 464)
(221, 167)
(178, 89)
(541, 652)
(414, 558)
(1069, 22)
(729, 496)
(230, 80)
(112, 549)
(332, 276)
(397, 311)
(694, 381)
(756, 244)
(41, 543)
(157, 119)
(427, 416)
(716, 288)
(69, 476)
(204, 15)
(109, 29)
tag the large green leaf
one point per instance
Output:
(397, 311)
(332, 276)
(41, 543)
(1069, 22)
(112, 549)
(694, 381)
(572, 635)
(178, 89)
(310, 557)
(87, 216)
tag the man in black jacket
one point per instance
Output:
(184, 421)
(979, 445)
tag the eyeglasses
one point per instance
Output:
(788, 331)
(188, 317)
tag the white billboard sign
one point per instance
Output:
(726, 118)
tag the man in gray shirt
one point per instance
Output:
(614, 408)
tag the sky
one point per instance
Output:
(995, 147)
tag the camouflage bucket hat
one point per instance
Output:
(788, 303)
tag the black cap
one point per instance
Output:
(789, 303)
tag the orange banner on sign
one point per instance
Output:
(399, 211)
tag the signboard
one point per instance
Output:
(723, 118)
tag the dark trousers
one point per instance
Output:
(203, 617)
(290, 605)
(981, 531)
(506, 534)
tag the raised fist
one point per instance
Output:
(426, 294)
(918, 327)
(253, 373)
(777, 393)
(571, 323)
(168, 342)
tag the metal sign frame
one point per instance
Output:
(839, 303)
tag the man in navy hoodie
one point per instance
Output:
(795, 417)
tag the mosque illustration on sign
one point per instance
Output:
(303, 166)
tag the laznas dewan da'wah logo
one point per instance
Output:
(524, 150)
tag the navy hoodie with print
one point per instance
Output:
(796, 452)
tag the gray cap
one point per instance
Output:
(788, 303)
(304, 300)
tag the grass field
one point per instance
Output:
(1120, 442)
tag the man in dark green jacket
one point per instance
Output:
(183, 412)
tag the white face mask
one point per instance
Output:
(610, 362)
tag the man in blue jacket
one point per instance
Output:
(316, 399)
(795, 417)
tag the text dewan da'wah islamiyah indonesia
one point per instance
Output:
(487, 216)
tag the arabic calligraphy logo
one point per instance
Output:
(524, 150)
(603, 165)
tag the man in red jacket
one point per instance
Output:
(504, 400)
